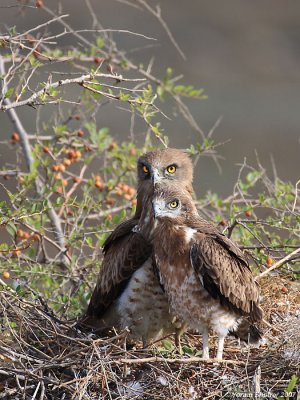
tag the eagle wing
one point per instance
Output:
(225, 274)
(210, 229)
(124, 252)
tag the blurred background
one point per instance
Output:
(244, 54)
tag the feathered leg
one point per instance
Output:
(221, 339)
(205, 351)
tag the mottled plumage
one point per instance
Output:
(127, 292)
(206, 276)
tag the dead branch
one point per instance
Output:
(32, 100)
(55, 220)
(279, 263)
(190, 360)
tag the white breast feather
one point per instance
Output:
(189, 233)
(148, 315)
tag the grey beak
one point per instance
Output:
(155, 176)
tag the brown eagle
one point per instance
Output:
(205, 275)
(128, 292)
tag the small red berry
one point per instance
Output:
(39, 3)
(133, 152)
(5, 275)
(98, 60)
(20, 233)
(99, 185)
(35, 237)
(55, 168)
(15, 137)
(61, 168)
(269, 261)
(112, 146)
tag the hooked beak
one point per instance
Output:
(156, 177)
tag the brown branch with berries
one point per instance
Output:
(279, 263)
(55, 220)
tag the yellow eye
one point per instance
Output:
(171, 169)
(174, 204)
(145, 169)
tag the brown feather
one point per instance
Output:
(225, 276)
(126, 251)
(205, 267)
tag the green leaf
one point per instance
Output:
(292, 384)
(167, 344)
(123, 96)
(89, 241)
(100, 42)
(13, 324)
(11, 228)
(188, 350)
(59, 129)
(58, 202)
(9, 93)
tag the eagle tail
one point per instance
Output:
(248, 331)
(91, 324)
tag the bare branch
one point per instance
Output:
(157, 14)
(190, 360)
(55, 220)
(279, 263)
(55, 19)
(32, 100)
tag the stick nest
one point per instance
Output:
(43, 357)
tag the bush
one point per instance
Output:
(73, 181)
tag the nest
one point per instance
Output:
(43, 357)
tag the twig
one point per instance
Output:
(115, 31)
(177, 360)
(57, 18)
(157, 14)
(71, 191)
(10, 172)
(296, 196)
(55, 220)
(31, 101)
(279, 263)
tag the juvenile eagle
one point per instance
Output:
(127, 292)
(206, 276)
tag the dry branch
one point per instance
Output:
(55, 220)
(190, 360)
(279, 263)
(44, 351)
(32, 100)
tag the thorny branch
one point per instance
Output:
(279, 263)
(49, 353)
(32, 100)
(63, 362)
(55, 220)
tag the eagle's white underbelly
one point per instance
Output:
(143, 306)
(191, 303)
